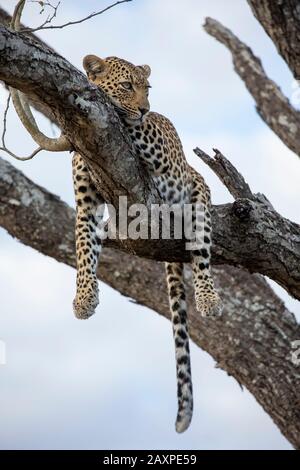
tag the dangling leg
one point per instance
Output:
(89, 212)
(208, 301)
(178, 310)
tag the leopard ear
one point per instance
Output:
(93, 64)
(146, 69)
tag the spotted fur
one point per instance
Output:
(158, 145)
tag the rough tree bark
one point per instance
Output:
(281, 21)
(259, 243)
(5, 19)
(256, 351)
(252, 341)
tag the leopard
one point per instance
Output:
(158, 146)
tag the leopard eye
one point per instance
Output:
(126, 85)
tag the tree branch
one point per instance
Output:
(273, 107)
(252, 341)
(281, 21)
(246, 233)
(228, 174)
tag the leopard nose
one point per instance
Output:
(144, 110)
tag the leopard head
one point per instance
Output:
(126, 84)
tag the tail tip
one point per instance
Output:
(183, 422)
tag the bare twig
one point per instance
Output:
(22, 159)
(49, 18)
(227, 173)
(70, 23)
(4, 148)
(5, 119)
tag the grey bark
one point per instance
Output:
(227, 173)
(247, 233)
(5, 18)
(252, 341)
(281, 21)
(272, 106)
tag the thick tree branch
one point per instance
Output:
(252, 341)
(273, 107)
(281, 21)
(246, 233)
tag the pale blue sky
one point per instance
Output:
(110, 382)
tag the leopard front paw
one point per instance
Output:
(209, 305)
(84, 305)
